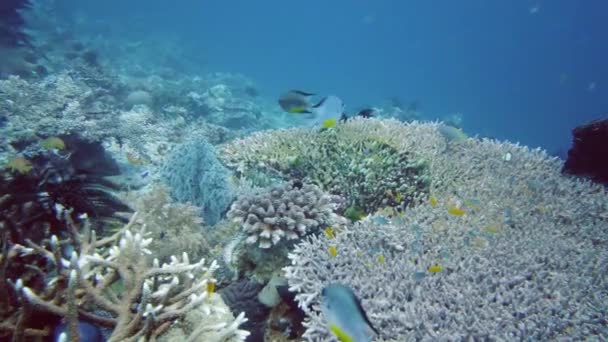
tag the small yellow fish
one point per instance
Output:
(329, 123)
(398, 197)
(455, 211)
(330, 233)
(340, 334)
(19, 164)
(358, 254)
(435, 269)
(210, 287)
(134, 159)
(492, 229)
(381, 259)
(433, 201)
(333, 251)
(53, 143)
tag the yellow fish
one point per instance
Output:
(19, 164)
(398, 197)
(340, 334)
(492, 229)
(330, 232)
(333, 251)
(433, 201)
(329, 123)
(210, 287)
(381, 259)
(455, 211)
(134, 159)
(53, 143)
(435, 269)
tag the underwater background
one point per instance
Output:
(526, 71)
(344, 170)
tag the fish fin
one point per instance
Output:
(299, 110)
(340, 334)
(369, 323)
(303, 93)
(320, 103)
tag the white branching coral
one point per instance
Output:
(116, 276)
(283, 213)
(505, 248)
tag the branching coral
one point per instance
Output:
(505, 248)
(111, 282)
(173, 226)
(284, 213)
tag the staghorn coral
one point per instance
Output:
(364, 167)
(173, 226)
(520, 250)
(283, 213)
(113, 275)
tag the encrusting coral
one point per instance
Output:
(111, 282)
(504, 248)
(283, 213)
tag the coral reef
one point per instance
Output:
(354, 160)
(77, 179)
(242, 296)
(505, 248)
(111, 282)
(195, 175)
(173, 226)
(57, 105)
(589, 147)
(284, 213)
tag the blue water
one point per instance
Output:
(526, 71)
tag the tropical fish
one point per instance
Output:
(86, 332)
(329, 232)
(331, 107)
(329, 123)
(296, 101)
(398, 197)
(435, 269)
(333, 251)
(455, 211)
(344, 314)
(451, 133)
(19, 164)
(366, 113)
(492, 229)
(433, 201)
(53, 143)
(210, 287)
(381, 259)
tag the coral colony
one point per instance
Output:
(142, 203)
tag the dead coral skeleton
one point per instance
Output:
(112, 282)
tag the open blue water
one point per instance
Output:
(525, 71)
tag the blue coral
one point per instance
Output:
(195, 175)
